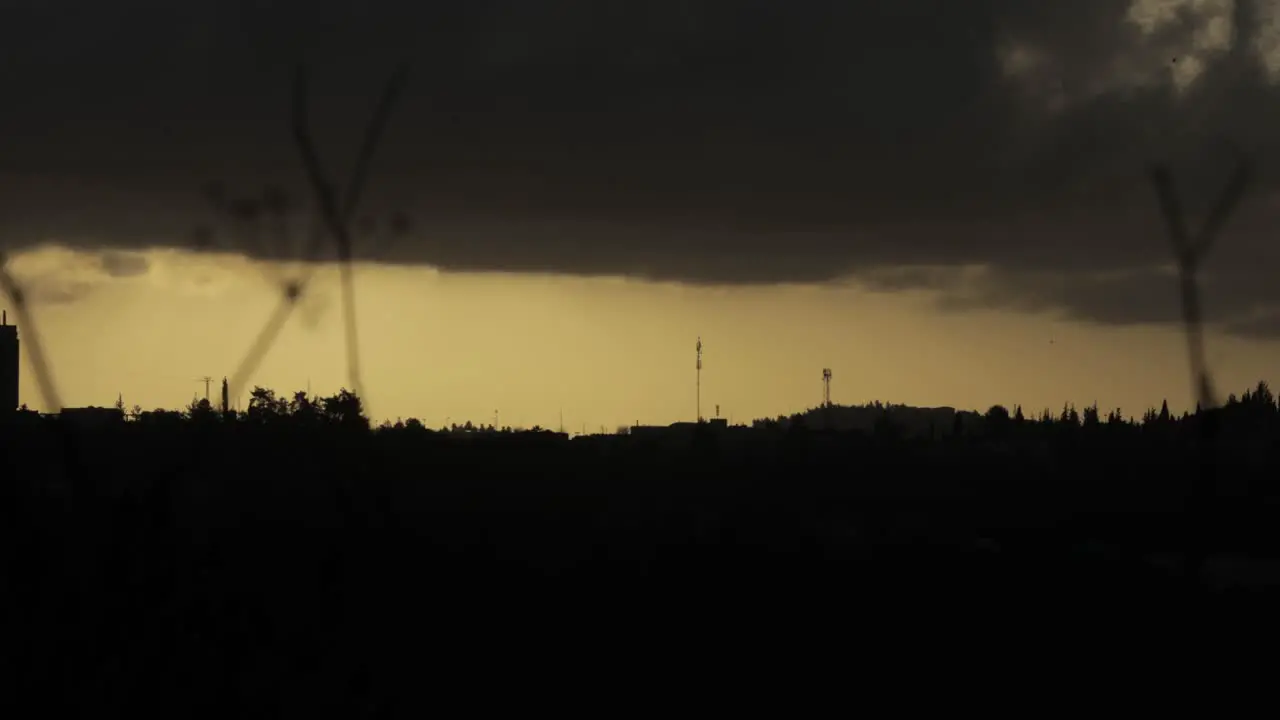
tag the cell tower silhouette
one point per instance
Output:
(699, 383)
(206, 380)
(826, 387)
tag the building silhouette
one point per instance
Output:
(8, 365)
(92, 417)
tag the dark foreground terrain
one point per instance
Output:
(242, 566)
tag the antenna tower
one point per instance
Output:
(826, 387)
(699, 402)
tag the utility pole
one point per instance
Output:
(206, 380)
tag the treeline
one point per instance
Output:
(1254, 412)
(293, 555)
(300, 409)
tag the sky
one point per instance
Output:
(945, 203)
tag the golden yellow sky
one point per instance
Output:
(605, 352)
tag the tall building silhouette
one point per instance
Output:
(8, 364)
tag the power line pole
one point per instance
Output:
(206, 380)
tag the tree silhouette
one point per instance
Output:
(997, 420)
(264, 406)
(1069, 415)
(345, 409)
(200, 410)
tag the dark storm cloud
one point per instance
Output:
(720, 141)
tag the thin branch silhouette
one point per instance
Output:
(335, 217)
(1190, 251)
(338, 217)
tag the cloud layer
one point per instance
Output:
(55, 275)
(994, 150)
